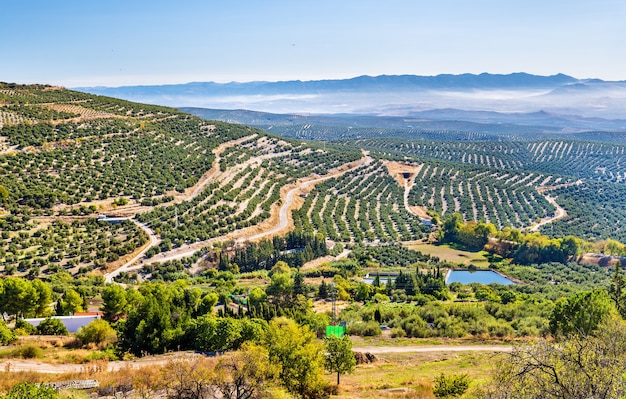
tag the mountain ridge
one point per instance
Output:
(423, 81)
(394, 95)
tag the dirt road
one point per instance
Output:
(560, 213)
(250, 233)
(20, 365)
(288, 201)
(154, 241)
(432, 348)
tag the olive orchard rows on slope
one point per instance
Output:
(498, 181)
(66, 157)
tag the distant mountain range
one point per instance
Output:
(358, 84)
(557, 103)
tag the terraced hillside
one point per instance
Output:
(504, 199)
(68, 157)
(174, 183)
(518, 183)
(579, 159)
(363, 205)
(251, 177)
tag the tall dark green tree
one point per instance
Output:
(617, 289)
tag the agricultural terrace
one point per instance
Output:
(504, 199)
(252, 175)
(364, 205)
(508, 182)
(576, 159)
(66, 156)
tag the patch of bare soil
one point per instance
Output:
(403, 173)
(419, 211)
(326, 305)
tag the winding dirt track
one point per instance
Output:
(560, 213)
(282, 214)
(17, 365)
(154, 240)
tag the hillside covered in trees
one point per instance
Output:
(228, 238)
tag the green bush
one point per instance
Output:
(30, 351)
(450, 386)
(397, 332)
(31, 391)
(25, 326)
(364, 329)
(52, 326)
(6, 336)
(97, 332)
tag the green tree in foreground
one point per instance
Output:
(339, 355)
(245, 373)
(300, 357)
(581, 313)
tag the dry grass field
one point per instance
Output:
(446, 253)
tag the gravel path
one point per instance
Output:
(17, 365)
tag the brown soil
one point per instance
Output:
(403, 173)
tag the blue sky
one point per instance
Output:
(111, 43)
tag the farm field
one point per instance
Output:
(453, 255)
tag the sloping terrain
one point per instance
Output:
(171, 183)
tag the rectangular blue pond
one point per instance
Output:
(477, 276)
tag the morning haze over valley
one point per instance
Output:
(279, 200)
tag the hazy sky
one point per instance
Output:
(112, 42)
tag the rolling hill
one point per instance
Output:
(178, 183)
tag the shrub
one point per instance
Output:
(450, 386)
(30, 390)
(97, 332)
(397, 332)
(30, 351)
(24, 326)
(364, 329)
(6, 336)
(52, 326)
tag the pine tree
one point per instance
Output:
(617, 289)
(376, 282)
(322, 293)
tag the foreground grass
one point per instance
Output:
(393, 375)
(411, 375)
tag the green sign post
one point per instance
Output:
(336, 331)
